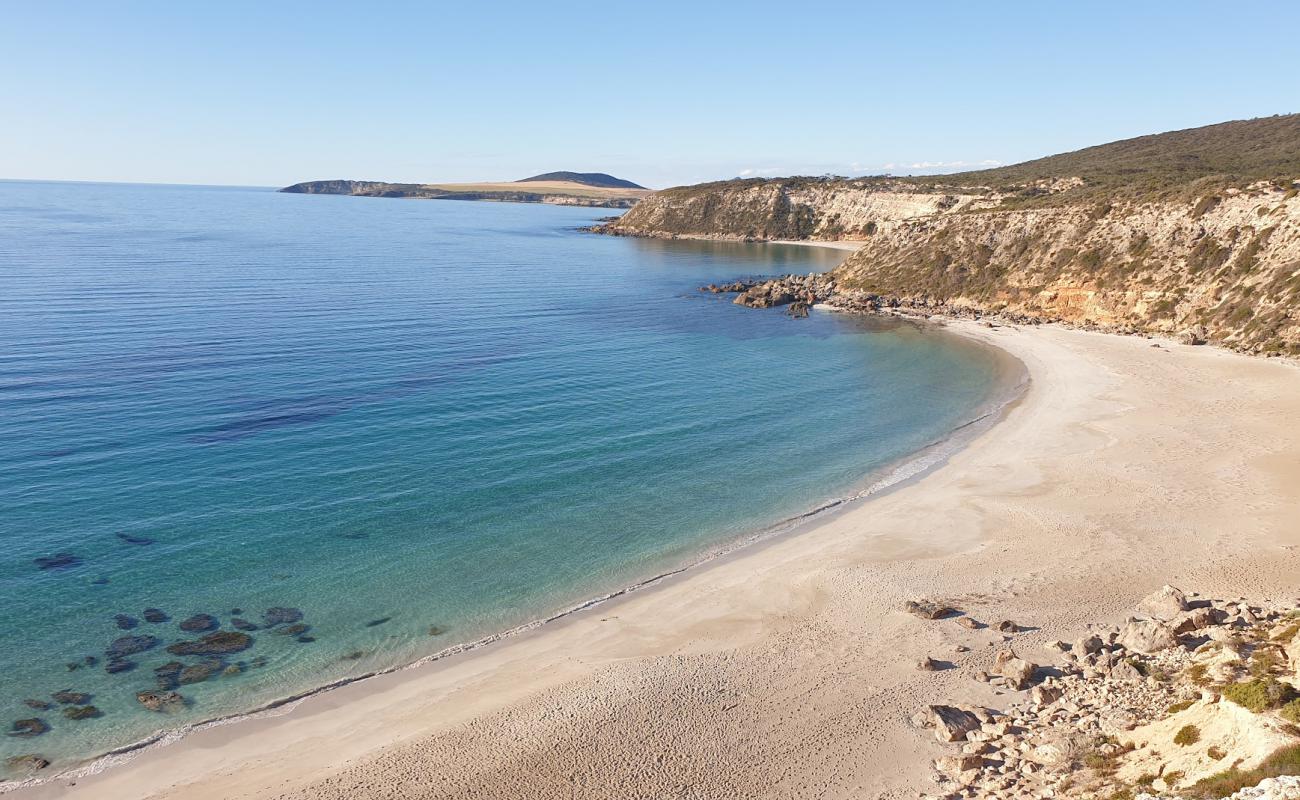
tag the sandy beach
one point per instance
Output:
(788, 670)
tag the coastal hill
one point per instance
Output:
(557, 188)
(597, 179)
(1193, 232)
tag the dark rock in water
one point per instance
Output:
(70, 698)
(58, 561)
(198, 673)
(234, 612)
(436, 630)
(82, 712)
(26, 765)
(125, 622)
(258, 662)
(293, 630)
(73, 666)
(90, 661)
(39, 705)
(117, 665)
(200, 622)
(306, 639)
(243, 624)
(100, 581)
(28, 728)
(130, 645)
(129, 539)
(372, 623)
(169, 675)
(232, 670)
(160, 701)
(282, 616)
(798, 309)
(354, 655)
(213, 644)
(155, 615)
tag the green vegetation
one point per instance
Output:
(1291, 711)
(1181, 705)
(1259, 694)
(1187, 735)
(1282, 762)
(1216, 754)
(1196, 674)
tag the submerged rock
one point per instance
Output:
(243, 624)
(130, 645)
(436, 630)
(39, 705)
(27, 728)
(306, 639)
(281, 615)
(155, 615)
(27, 764)
(161, 701)
(137, 540)
(168, 675)
(82, 712)
(116, 665)
(58, 561)
(199, 623)
(213, 644)
(125, 622)
(374, 622)
(70, 698)
(293, 630)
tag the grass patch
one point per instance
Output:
(1288, 633)
(1260, 694)
(1196, 674)
(1187, 735)
(1282, 762)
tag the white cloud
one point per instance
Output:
(754, 172)
(988, 162)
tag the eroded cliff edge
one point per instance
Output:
(1194, 230)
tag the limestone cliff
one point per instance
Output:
(1156, 234)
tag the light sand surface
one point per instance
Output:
(788, 669)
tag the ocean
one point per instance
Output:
(399, 426)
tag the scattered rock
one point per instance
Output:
(1164, 604)
(951, 724)
(82, 712)
(154, 615)
(1087, 645)
(968, 622)
(1147, 636)
(213, 644)
(58, 561)
(199, 623)
(928, 609)
(27, 728)
(68, 697)
(1007, 626)
(958, 764)
(1018, 672)
(27, 764)
(928, 664)
(161, 701)
(1197, 334)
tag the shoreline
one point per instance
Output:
(1010, 384)
(450, 695)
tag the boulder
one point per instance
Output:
(928, 664)
(1087, 645)
(1045, 695)
(956, 765)
(1018, 672)
(951, 724)
(1147, 636)
(968, 622)
(213, 644)
(1125, 671)
(928, 609)
(1164, 604)
(1007, 626)
(1197, 334)
(160, 701)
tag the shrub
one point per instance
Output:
(1196, 674)
(1282, 762)
(1291, 711)
(1288, 633)
(1216, 754)
(1260, 694)
(1187, 735)
(1181, 705)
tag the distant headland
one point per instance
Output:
(557, 188)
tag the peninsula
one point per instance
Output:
(594, 189)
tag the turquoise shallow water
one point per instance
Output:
(394, 416)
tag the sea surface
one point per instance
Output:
(416, 423)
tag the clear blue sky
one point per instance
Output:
(269, 93)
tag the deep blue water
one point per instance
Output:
(393, 416)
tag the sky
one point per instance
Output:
(661, 93)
